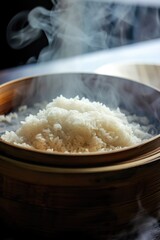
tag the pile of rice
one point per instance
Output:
(77, 125)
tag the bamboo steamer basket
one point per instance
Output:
(92, 195)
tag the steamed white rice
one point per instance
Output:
(77, 125)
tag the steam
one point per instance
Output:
(143, 227)
(75, 27)
(72, 27)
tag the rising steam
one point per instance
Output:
(72, 27)
(75, 27)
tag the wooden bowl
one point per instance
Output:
(90, 195)
(115, 92)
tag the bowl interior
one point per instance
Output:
(130, 96)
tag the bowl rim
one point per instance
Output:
(120, 166)
(36, 76)
(106, 154)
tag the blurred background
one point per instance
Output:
(11, 57)
(123, 25)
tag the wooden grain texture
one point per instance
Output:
(92, 196)
(139, 98)
(99, 203)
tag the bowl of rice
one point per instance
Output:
(77, 150)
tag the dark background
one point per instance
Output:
(147, 19)
(12, 57)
